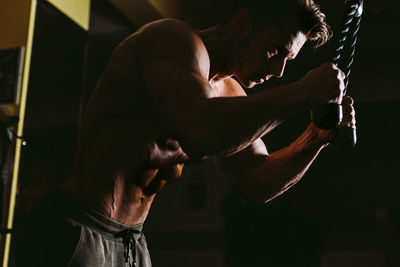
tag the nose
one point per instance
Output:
(278, 67)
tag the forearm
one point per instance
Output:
(282, 169)
(226, 125)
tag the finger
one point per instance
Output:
(347, 101)
(166, 153)
(331, 65)
(348, 116)
(348, 121)
(341, 74)
(348, 110)
(349, 113)
(342, 86)
(350, 124)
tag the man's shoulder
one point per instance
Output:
(230, 88)
(169, 26)
(174, 41)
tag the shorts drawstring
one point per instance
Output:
(129, 245)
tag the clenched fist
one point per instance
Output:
(324, 84)
(348, 120)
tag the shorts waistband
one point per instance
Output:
(83, 214)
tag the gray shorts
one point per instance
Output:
(63, 232)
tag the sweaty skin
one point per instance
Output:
(168, 95)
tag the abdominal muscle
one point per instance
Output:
(132, 197)
(125, 197)
(121, 166)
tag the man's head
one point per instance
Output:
(270, 32)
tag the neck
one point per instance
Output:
(221, 61)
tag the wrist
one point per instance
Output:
(317, 136)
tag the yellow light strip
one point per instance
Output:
(24, 91)
(76, 10)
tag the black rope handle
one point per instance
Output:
(329, 116)
(346, 46)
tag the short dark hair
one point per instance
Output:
(308, 15)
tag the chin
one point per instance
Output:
(248, 84)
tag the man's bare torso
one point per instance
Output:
(128, 148)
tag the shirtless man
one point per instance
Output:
(168, 96)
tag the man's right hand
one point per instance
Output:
(324, 84)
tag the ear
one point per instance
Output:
(242, 23)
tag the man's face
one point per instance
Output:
(265, 54)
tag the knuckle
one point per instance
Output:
(339, 75)
(349, 100)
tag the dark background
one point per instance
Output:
(344, 212)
